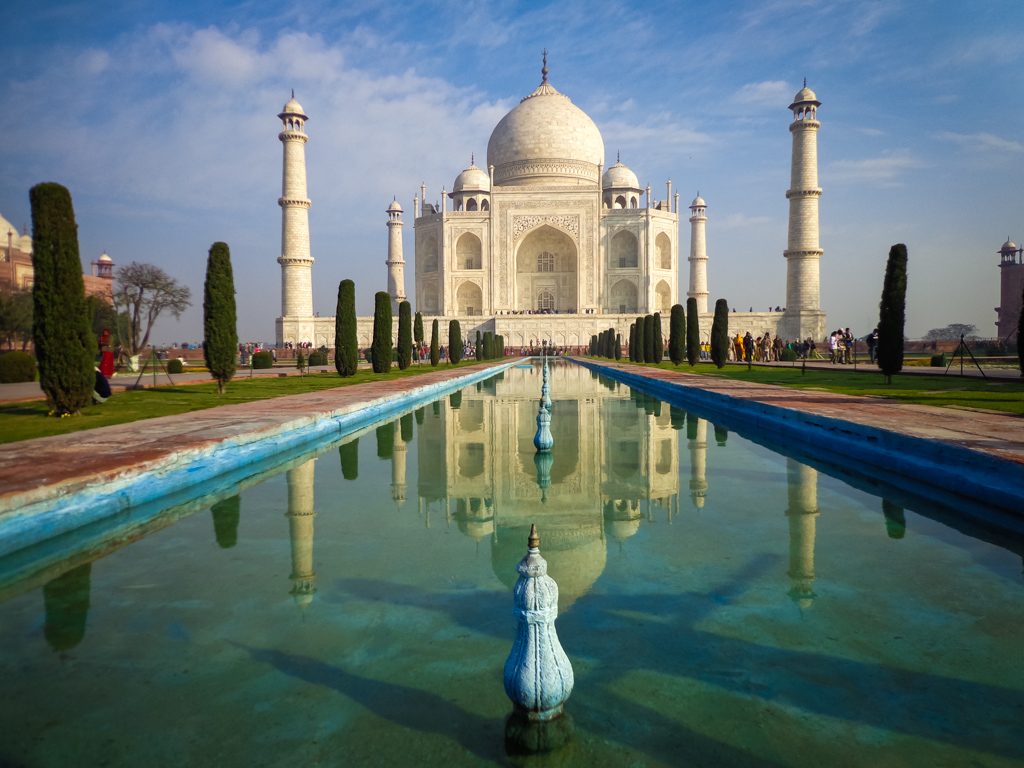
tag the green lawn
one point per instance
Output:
(968, 392)
(23, 421)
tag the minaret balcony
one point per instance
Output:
(293, 202)
(293, 136)
(791, 193)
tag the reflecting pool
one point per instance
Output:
(722, 604)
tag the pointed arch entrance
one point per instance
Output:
(546, 271)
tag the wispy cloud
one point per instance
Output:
(767, 93)
(982, 142)
(741, 221)
(886, 168)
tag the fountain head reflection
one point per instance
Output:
(539, 742)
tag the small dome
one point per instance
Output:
(698, 202)
(395, 206)
(472, 179)
(293, 108)
(619, 176)
(805, 96)
(104, 257)
(1008, 247)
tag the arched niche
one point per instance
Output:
(469, 252)
(469, 299)
(426, 252)
(623, 297)
(663, 297)
(663, 248)
(624, 250)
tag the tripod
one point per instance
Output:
(154, 363)
(960, 352)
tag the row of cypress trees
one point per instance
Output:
(607, 343)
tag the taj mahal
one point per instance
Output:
(548, 242)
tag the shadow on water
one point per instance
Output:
(967, 714)
(408, 707)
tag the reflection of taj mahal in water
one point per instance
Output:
(476, 468)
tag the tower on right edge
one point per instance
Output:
(698, 255)
(804, 317)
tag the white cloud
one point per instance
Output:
(982, 142)
(767, 93)
(886, 168)
(742, 221)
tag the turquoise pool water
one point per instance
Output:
(722, 604)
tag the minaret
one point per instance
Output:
(802, 484)
(398, 464)
(698, 255)
(396, 261)
(697, 438)
(301, 512)
(296, 263)
(803, 253)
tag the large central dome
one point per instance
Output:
(546, 141)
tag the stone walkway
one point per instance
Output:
(95, 456)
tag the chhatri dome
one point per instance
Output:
(546, 141)
(472, 179)
(619, 175)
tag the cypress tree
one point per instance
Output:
(404, 335)
(386, 438)
(659, 345)
(61, 326)
(632, 341)
(501, 345)
(641, 340)
(479, 346)
(648, 338)
(892, 313)
(226, 513)
(454, 342)
(220, 326)
(381, 349)
(435, 347)
(720, 334)
(406, 428)
(346, 345)
(677, 334)
(692, 332)
(618, 347)
(417, 329)
(349, 454)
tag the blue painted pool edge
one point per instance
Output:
(58, 509)
(921, 462)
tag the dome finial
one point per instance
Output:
(618, 156)
(293, 93)
(472, 158)
(805, 82)
(544, 68)
(534, 541)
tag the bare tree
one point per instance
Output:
(144, 292)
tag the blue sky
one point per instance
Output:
(161, 119)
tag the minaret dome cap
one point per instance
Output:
(805, 96)
(698, 202)
(293, 108)
(395, 206)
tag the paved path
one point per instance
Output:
(997, 434)
(89, 457)
(92, 456)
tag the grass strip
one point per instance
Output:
(28, 420)
(1005, 395)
